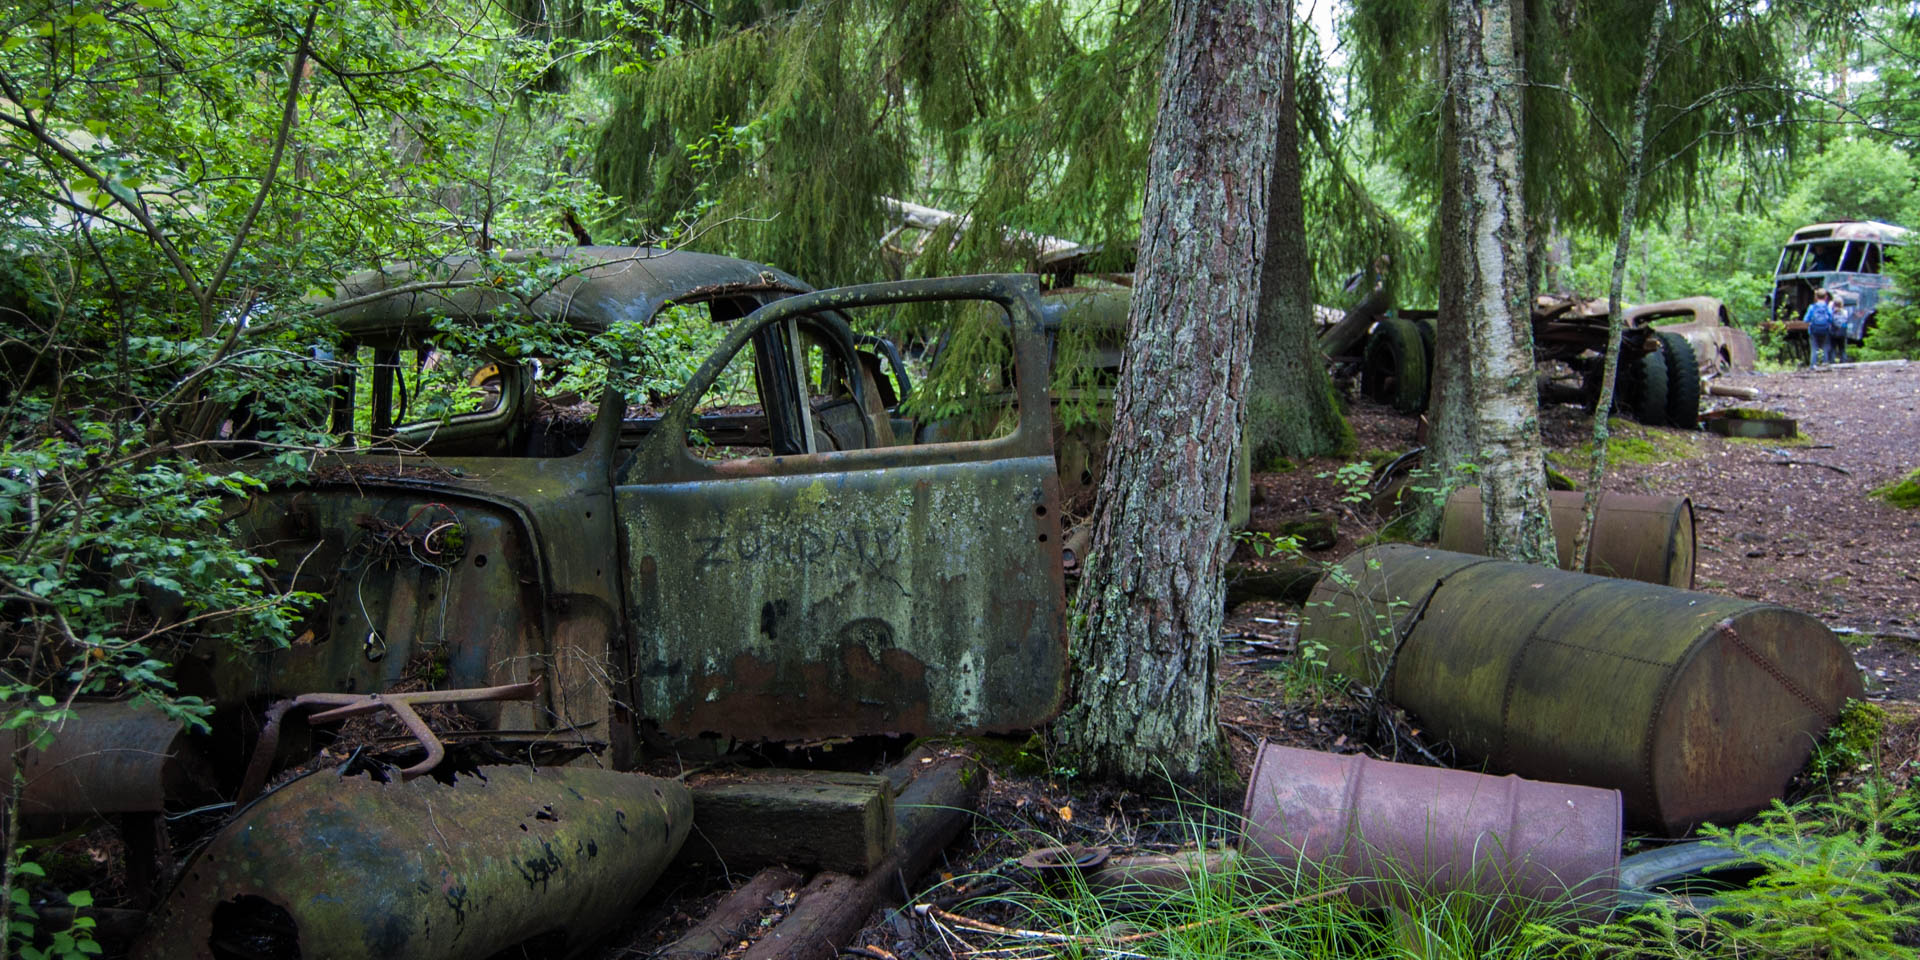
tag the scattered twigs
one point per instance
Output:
(1787, 460)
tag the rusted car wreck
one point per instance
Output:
(1667, 350)
(575, 587)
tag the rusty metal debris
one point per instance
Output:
(344, 705)
(1583, 679)
(347, 866)
(1395, 827)
(886, 590)
(1743, 423)
(120, 757)
(869, 577)
(1635, 536)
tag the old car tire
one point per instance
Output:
(1396, 366)
(1429, 340)
(1683, 381)
(1646, 387)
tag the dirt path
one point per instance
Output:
(1794, 525)
(1776, 521)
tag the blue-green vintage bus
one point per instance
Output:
(1845, 257)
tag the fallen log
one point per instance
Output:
(1315, 531)
(725, 925)
(1286, 582)
(928, 814)
(1344, 336)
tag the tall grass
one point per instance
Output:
(1834, 880)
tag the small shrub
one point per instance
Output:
(1850, 742)
(1903, 493)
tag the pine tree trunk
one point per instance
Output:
(1147, 617)
(1291, 411)
(1491, 415)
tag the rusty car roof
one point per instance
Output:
(612, 285)
(1852, 230)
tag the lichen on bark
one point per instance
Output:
(1147, 618)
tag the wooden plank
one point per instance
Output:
(930, 812)
(732, 918)
(831, 821)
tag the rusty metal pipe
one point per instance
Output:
(109, 758)
(1636, 537)
(1697, 707)
(346, 705)
(347, 867)
(1395, 828)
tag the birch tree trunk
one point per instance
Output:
(1636, 158)
(1291, 411)
(1146, 622)
(1490, 417)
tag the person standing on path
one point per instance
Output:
(1820, 329)
(1837, 340)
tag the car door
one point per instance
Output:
(909, 589)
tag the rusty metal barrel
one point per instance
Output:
(110, 757)
(1394, 828)
(1696, 707)
(1635, 537)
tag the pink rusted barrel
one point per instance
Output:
(1395, 828)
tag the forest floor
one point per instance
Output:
(1776, 522)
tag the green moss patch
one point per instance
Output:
(1903, 493)
(1631, 443)
(1746, 413)
(1798, 440)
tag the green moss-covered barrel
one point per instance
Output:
(1696, 707)
(1636, 537)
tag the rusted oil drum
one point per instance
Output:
(110, 758)
(1394, 829)
(1635, 537)
(347, 867)
(1696, 707)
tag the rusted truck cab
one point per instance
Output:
(755, 554)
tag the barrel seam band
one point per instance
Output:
(1604, 653)
(1513, 671)
(1775, 672)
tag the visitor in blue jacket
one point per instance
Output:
(1820, 329)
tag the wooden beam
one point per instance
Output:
(733, 917)
(832, 821)
(928, 813)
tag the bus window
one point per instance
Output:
(1850, 260)
(1822, 257)
(1871, 262)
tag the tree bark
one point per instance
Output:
(1487, 413)
(1291, 411)
(1147, 618)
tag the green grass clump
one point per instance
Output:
(1747, 413)
(1903, 493)
(1849, 742)
(1834, 880)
